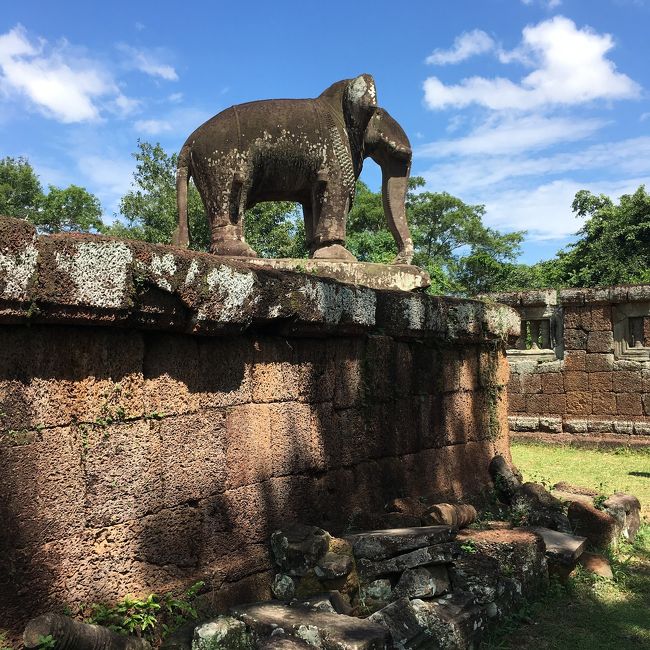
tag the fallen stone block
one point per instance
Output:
(330, 601)
(422, 582)
(283, 587)
(69, 634)
(439, 554)
(320, 629)
(282, 642)
(297, 548)
(223, 633)
(597, 564)
(626, 509)
(453, 622)
(381, 544)
(598, 526)
(334, 565)
(540, 508)
(561, 547)
(374, 595)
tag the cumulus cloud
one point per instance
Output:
(570, 67)
(512, 134)
(60, 85)
(466, 45)
(148, 61)
(152, 127)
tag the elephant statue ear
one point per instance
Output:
(360, 100)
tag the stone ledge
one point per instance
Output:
(95, 280)
(554, 424)
(398, 277)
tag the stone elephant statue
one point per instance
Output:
(306, 150)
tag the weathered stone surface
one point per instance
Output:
(333, 565)
(73, 635)
(282, 642)
(374, 595)
(381, 544)
(407, 505)
(283, 586)
(330, 601)
(501, 566)
(297, 548)
(507, 478)
(401, 277)
(452, 622)
(322, 629)
(457, 515)
(439, 554)
(597, 564)
(540, 507)
(598, 526)
(561, 547)
(626, 509)
(422, 582)
(223, 633)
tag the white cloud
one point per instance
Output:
(466, 45)
(510, 134)
(175, 97)
(570, 68)
(548, 4)
(110, 177)
(644, 117)
(148, 62)
(545, 210)
(57, 82)
(152, 127)
(483, 174)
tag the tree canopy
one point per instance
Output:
(72, 209)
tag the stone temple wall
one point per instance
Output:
(589, 372)
(162, 411)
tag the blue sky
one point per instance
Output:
(515, 104)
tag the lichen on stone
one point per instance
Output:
(16, 270)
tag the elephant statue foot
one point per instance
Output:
(333, 252)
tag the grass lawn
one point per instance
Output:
(589, 613)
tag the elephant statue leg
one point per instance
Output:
(227, 223)
(328, 239)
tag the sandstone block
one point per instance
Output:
(575, 339)
(297, 548)
(599, 362)
(597, 564)
(224, 632)
(439, 554)
(407, 505)
(600, 342)
(577, 318)
(524, 423)
(323, 629)
(599, 527)
(537, 403)
(576, 426)
(516, 403)
(576, 381)
(381, 544)
(550, 424)
(561, 547)
(557, 404)
(601, 318)
(422, 582)
(333, 565)
(578, 403)
(625, 381)
(600, 382)
(603, 403)
(626, 509)
(450, 622)
(575, 360)
(515, 384)
(531, 383)
(552, 383)
(629, 404)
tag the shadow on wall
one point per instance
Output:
(145, 461)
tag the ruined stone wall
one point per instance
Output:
(593, 373)
(161, 412)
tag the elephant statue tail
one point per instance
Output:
(181, 234)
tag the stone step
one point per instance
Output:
(320, 629)
(453, 622)
(439, 554)
(561, 547)
(382, 544)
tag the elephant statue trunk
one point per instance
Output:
(306, 150)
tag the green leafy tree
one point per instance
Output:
(614, 243)
(72, 209)
(20, 190)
